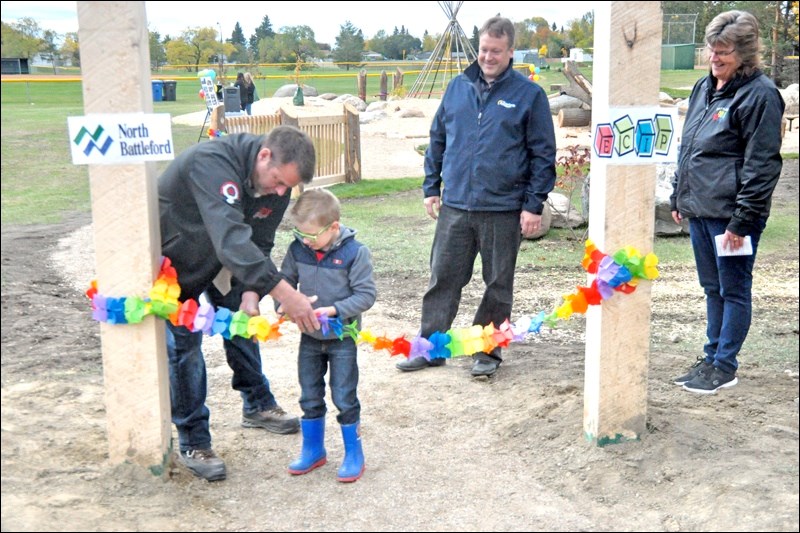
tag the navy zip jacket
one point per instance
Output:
(211, 217)
(730, 159)
(492, 154)
(342, 278)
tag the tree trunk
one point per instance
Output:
(572, 118)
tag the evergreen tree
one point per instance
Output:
(264, 30)
(349, 46)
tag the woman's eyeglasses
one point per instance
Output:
(719, 53)
(310, 236)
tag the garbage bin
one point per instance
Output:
(158, 90)
(170, 88)
(233, 104)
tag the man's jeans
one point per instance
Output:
(314, 358)
(187, 376)
(460, 236)
(727, 282)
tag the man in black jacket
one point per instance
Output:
(221, 203)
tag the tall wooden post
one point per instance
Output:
(115, 63)
(627, 62)
(362, 84)
(384, 86)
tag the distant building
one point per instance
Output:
(528, 56)
(578, 55)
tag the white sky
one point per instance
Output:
(325, 18)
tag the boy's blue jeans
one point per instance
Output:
(460, 236)
(315, 356)
(187, 377)
(727, 282)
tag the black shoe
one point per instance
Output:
(700, 366)
(711, 382)
(418, 363)
(203, 463)
(485, 367)
(275, 420)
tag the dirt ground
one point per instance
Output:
(444, 451)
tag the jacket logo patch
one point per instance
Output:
(337, 262)
(719, 113)
(230, 191)
(507, 105)
(264, 212)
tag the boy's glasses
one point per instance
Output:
(310, 236)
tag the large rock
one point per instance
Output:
(564, 214)
(291, 88)
(664, 225)
(564, 101)
(354, 101)
(790, 98)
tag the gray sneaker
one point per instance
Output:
(699, 367)
(203, 463)
(275, 420)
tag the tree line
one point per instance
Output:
(297, 45)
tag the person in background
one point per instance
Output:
(248, 79)
(326, 261)
(245, 92)
(728, 166)
(220, 204)
(492, 150)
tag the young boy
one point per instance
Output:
(326, 261)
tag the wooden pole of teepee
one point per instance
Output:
(627, 62)
(115, 64)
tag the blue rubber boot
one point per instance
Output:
(353, 465)
(313, 454)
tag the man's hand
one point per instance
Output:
(297, 306)
(249, 305)
(432, 206)
(529, 223)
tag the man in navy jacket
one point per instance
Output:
(489, 167)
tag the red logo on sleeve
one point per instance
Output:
(230, 191)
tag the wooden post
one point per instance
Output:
(362, 85)
(627, 62)
(397, 79)
(384, 85)
(115, 63)
(352, 153)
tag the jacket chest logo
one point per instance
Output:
(264, 212)
(719, 114)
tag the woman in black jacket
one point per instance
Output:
(246, 90)
(728, 167)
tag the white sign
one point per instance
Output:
(636, 136)
(209, 92)
(120, 139)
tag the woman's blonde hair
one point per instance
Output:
(738, 29)
(248, 78)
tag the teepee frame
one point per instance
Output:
(452, 54)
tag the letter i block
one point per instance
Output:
(623, 132)
(604, 140)
(645, 135)
(664, 133)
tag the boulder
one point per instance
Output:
(291, 88)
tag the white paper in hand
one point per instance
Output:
(746, 249)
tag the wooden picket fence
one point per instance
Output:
(336, 138)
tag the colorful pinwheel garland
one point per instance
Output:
(619, 272)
